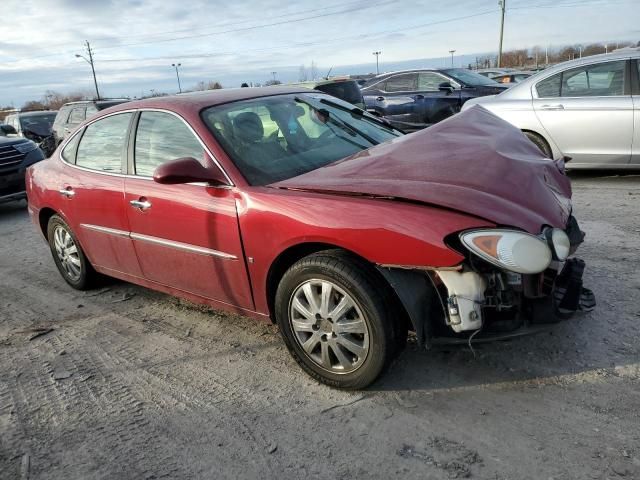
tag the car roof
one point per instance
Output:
(102, 100)
(523, 89)
(208, 98)
(36, 113)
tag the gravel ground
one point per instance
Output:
(123, 382)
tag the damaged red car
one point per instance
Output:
(292, 206)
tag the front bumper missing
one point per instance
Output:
(499, 300)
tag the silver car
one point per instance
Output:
(587, 109)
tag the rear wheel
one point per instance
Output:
(335, 320)
(541, 143)
(68, 255)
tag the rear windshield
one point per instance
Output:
(39, 124)
(275, 138)
(347, 91)
(105, 105)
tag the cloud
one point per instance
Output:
(135, 40)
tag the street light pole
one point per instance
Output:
(503, 6)
(377, 54)
(452, 52)
(176, 65)
(90, 62)
(274, 76)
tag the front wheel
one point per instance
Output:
(541, 143)
(334, 319)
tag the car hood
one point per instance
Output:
(473, 162)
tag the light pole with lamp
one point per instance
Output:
(93, 70)
(377, 54)
(176, 65)
(452, 52)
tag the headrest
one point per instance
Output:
(248, 127)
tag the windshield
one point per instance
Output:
(275, 138)
(39, 124)
(469, 78)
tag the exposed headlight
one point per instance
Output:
(25, 147)
(560, 242)
(508, 249)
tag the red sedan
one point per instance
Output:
(293, 206)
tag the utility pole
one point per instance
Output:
(90, 62)
(274, 76)
(452, 52)
(503, 6)
(176, 65)
(377, 54)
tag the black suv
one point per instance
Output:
(16, 154)
(73, 114)
(36, 126)
(414, 99)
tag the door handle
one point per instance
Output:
(559, 106)
(67, 192)
(141, 204)
(380, 99)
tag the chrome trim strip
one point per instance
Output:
(110, 231)
(187, 247)
(182, 246)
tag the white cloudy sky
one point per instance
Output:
(135, 41)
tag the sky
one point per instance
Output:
(136, 41)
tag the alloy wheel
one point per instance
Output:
(329, 326)
(67, 252)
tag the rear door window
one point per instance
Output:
(549, 87)
(103, 144)
(402, 83)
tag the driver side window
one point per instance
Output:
(160, 138)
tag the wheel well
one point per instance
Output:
(291, 255)
(541, 137)
(43, 218)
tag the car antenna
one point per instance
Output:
(328, 73)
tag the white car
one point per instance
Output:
(586, 109)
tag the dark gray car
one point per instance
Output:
(16, 154)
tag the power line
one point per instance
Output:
(253, 27)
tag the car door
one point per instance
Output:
(635, 79)
(397, 101)
(186, 236)
(588, 112)
(93, 186)
(434, 104)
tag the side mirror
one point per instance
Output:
(187, 170)
(446, 87)
(8, 130)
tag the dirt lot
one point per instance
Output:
(135, 384)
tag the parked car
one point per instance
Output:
(342, 88)
(36, 126)
(286, 204)
(16, 154)
(415, 99)
(586, 109)
(494, 72)
(73, 114)
(513, 77)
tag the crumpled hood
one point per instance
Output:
(473, 162)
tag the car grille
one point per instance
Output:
(9, 156)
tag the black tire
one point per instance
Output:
(541, 143)
(87, 275)
(373, 299)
